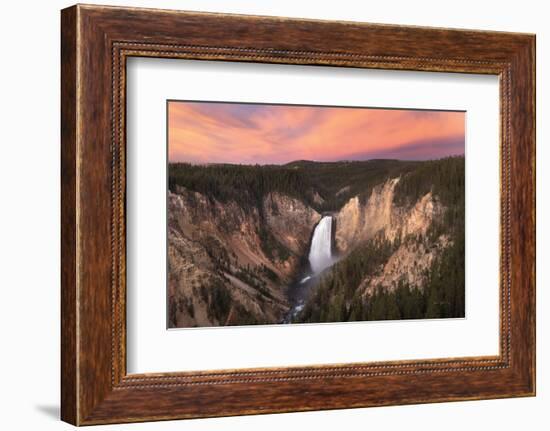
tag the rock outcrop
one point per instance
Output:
(357, 222)
(290, 221)
(408, 264)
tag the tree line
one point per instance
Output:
(324, 186)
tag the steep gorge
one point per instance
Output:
(234, 253)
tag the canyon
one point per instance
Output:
(235, 264)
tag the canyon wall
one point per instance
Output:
(395, 261)
(357, 222)
(228, 264)
(407, 227)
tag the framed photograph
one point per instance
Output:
(271, 220)
(266, 215)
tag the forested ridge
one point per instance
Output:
(333, 182)
(244, 184)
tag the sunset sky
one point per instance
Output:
(204, 132)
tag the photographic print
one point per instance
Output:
(288, 214)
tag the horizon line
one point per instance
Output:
(315, 161)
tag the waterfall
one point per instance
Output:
(320, 253)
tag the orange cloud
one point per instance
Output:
(204, 132)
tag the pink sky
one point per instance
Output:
(205, 132)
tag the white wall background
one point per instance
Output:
(29, 215)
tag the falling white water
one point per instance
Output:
(320, 253)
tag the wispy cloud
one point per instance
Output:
(201, 132)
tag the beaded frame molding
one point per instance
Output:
(95, 43)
